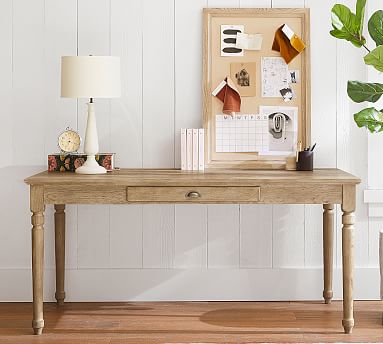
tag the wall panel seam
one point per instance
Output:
(77, 124)
(272, 235)
(239, 234)
(174, 83)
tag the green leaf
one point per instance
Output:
(340, 34)
(342, 18)
(360, 9)
(375, 58)
(364, 92)
(371, 119)
(346, 25)
(375, 27)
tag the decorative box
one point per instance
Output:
(69, 162)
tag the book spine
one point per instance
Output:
(195, 149)
(189, 149)
(183, 149)
(201, 149)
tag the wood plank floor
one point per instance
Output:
(191, 322)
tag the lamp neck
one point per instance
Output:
(91, 100)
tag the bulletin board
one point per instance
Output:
(257, 108)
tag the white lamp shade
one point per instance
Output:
(90, 77)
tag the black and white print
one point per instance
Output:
(229, 39)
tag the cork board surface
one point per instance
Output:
(217, 67)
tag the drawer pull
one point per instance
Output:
(193, 194)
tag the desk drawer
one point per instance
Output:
(185, 194)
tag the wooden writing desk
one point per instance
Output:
(327, 187)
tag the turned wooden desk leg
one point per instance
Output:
(37, 209)
(60, 252)
(348, 220)
(328, 243)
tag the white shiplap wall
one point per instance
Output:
(162, 252)
(375, 142)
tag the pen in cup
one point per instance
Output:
(299, 148)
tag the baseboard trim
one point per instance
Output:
(188, 285)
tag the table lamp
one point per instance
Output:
(90, 77)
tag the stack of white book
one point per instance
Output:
(192, 150)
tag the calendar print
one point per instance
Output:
(242, 133)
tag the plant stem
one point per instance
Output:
(366, 48)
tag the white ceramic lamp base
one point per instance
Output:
(91, 166)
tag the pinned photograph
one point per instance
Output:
(243, 75)
(243, 78)
(282, 128)
(294, 76)
(287, 94)
(229, 40)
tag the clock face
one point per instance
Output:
(69, 141)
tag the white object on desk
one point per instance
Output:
(183, 149)
(192, 149)
(201, 148)
(90, 77)
(189, 149)
(195, 149)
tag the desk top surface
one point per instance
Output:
(176, 177)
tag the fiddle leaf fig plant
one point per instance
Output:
(349, 26)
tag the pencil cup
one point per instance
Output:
(305, 161)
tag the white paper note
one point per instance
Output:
(249, 41)
(275, 76)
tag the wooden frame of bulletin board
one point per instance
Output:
(264, 21)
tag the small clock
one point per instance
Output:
(69, 141)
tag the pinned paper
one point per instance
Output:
(282, 129)
(228, 94)
(287, 43)
(229, 40)
(287, 94)
(249, 41)
(244, 76)
(275, 76)
(294, 76)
